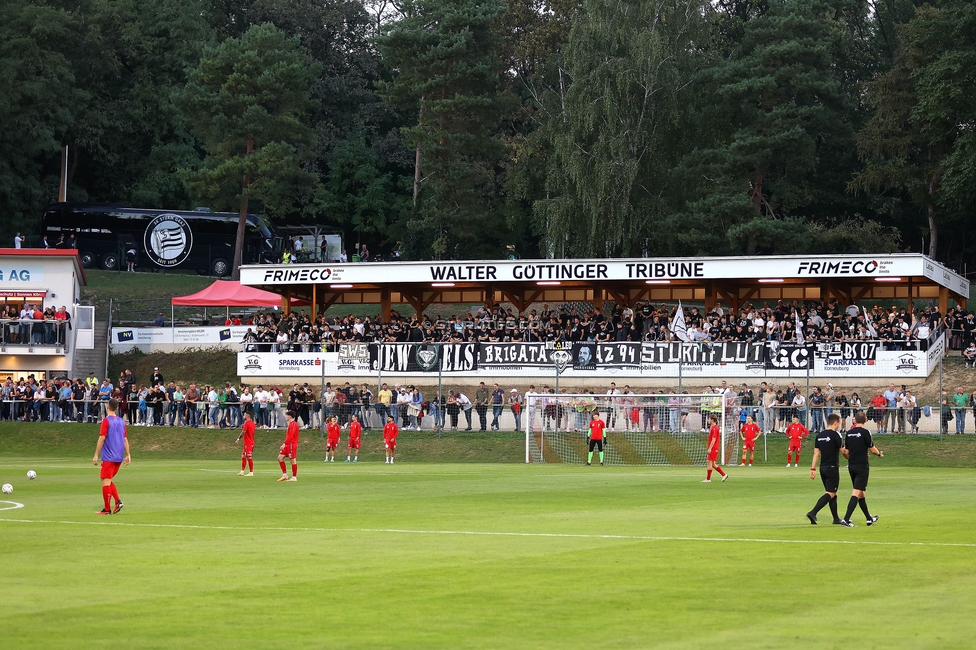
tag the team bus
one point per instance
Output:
(199, 240)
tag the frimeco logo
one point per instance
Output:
(858, 267)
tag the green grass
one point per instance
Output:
(470, 555)
(214, 366)
(144, 287)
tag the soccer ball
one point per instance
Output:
(8, 488)
(31, 474)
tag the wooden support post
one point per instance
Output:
(709, 295)
(598, 296)
(911, 299)
(286, 301)
(314, 301)
(385, 307)
(943, 300)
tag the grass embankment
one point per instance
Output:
(213, 366)
(60, 440)
(112, 285)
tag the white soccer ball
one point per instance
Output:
(31, 474)
(8, 488)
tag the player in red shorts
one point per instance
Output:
(113, 450)
(355, 436)
(247, 454)
(390, 432)
(796, 432)
(748, 434)
(714, 442)
(289, 449)
(332, 440)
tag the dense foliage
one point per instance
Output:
(468, 128)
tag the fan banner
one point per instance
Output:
(421, 357)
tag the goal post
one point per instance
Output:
(641, 429)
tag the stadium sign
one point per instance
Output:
(900, 265)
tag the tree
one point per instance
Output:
(246, 99)
(446, 72)
(782, 104)
(39, 103)
(616, 123)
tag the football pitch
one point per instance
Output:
(481, 556)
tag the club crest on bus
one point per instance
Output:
(168, 240)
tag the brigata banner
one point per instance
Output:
(849, 350)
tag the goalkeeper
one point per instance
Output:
(597, 437)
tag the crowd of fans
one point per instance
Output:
(830, 322)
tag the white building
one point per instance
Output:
(41, 278)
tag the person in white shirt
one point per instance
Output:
(612, 407)
(18, 240)
(466, 405)
(531, 399)
(274, 403)
(261, 407)
(404, 399)
(282, 341)
(213, 408)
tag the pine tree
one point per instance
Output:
(246, 100)
(446, 71)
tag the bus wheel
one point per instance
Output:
(110, 262)
(220, 268)
(87, 260)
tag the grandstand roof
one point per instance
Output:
(733, 280)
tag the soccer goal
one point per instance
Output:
(649, 429)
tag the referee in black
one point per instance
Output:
(857, 444)
(827, 448)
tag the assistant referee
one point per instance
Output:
(857, 444)
(827, 449)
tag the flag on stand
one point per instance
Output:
(678, 326)
(873, 332)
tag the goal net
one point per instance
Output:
(641, 429)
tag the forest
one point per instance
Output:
(466, 129)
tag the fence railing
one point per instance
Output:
(433, 416)
(29, 333)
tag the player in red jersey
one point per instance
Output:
(355, 435)
(796, 432)
(247, 454)
(289, 449)
(390, 432)
(332, 438)
(597, 437)
(113, 450)
(714, 442)
(748, 434)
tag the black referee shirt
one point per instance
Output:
(829, 444)
(858, 441)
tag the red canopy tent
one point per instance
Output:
(227, 293)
